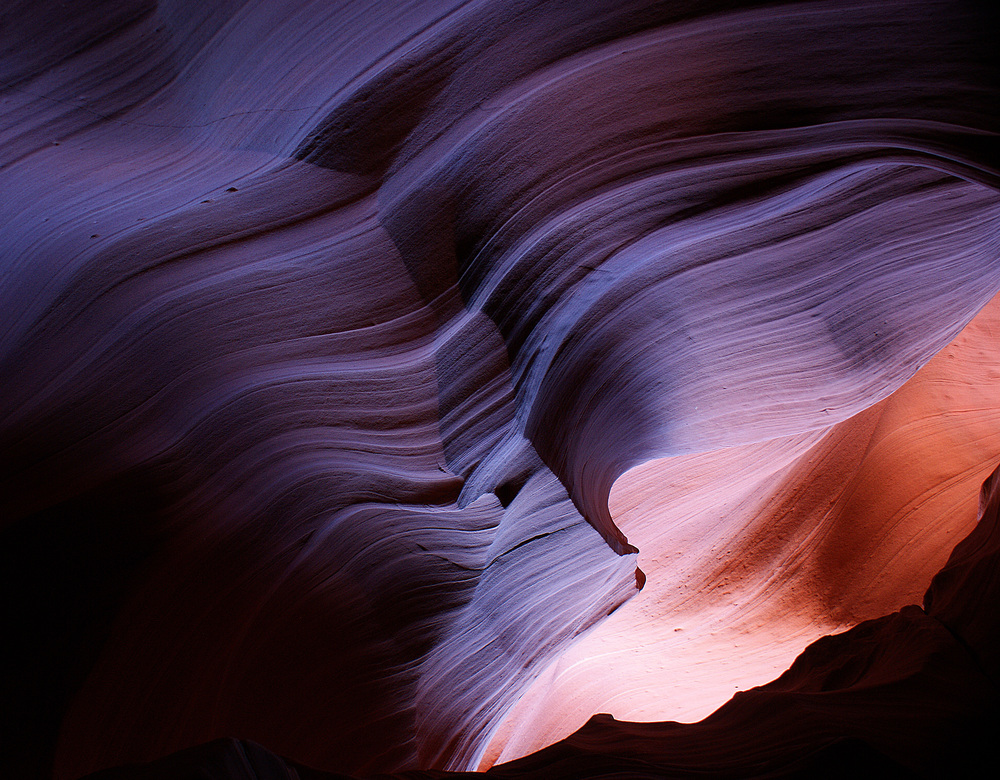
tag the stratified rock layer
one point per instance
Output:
(326, 330)
(912, 694)
(755, 551)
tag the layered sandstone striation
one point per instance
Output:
(395, 386)
(758, 550)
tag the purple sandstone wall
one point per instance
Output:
(326, 328)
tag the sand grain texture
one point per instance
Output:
(355, 355)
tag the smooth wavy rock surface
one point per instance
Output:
(911, 694)
(760, 549)
(326, 330)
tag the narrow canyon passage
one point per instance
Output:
(562, 389)
(752, 553)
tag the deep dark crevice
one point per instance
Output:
(507, 491)
(960, 641)
(364, 134)
(64, 573)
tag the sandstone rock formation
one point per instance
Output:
(391, 387)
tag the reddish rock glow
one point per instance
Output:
(840, 525)
(355, 355)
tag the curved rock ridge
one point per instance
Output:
(756, 551)
(911, 694)
(326, 330)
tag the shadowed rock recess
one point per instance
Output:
(545, 389)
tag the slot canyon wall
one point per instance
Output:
(552, 389)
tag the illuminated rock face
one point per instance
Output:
(837, 526)
(328, 329)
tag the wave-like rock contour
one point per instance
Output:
(326, 330)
